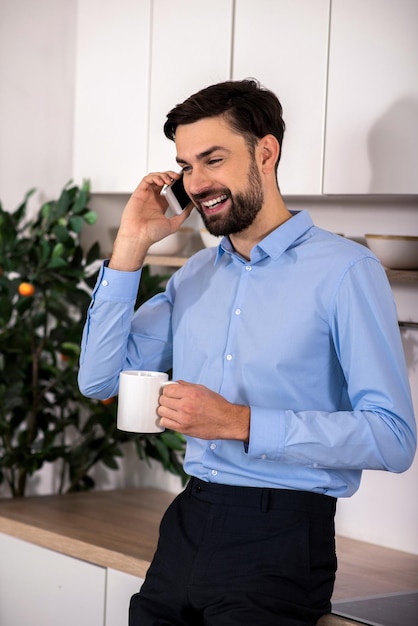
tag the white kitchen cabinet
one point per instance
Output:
(284, 44)
(372, 109)
(120, 588)
(345, 72)
(111, 93)
(136, 59)
(191, 49)
(43, 588)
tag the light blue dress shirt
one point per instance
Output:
(305, 333)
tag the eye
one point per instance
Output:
(215, 161)
(185, 169)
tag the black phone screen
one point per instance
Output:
(180, 193)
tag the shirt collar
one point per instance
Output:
(276, 242)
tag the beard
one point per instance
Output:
(244, 208)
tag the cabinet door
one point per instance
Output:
(284, 44)
(372, 111)
(119, 590)
(112, 90)
(191, 49)
(43, 588)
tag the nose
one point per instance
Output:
(197, 181)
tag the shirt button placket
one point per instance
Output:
(237, 313)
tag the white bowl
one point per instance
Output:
(396, 252)
(172, 244)
(209, 241)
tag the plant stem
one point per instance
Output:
(83, 469)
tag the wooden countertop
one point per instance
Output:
(119, 529)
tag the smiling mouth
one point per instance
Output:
(213, 203)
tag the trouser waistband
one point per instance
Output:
(263, 498)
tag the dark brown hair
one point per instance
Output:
(249, 109)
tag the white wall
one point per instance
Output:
(37, 59)
(37, 48)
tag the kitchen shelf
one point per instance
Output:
(167, 261)
(408, 276)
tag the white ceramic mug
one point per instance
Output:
(139, 392)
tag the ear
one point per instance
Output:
(268, 149)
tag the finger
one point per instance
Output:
(177, 221)
(167, 387)
(170, 424)
(170, 176)
(171, 418)
(159, 179)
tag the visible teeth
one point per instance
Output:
(211, 203)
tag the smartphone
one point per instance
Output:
(176, 196)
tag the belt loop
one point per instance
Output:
(265, 500)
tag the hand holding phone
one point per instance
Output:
(176, 196)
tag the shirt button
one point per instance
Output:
(248, 268)
(263, 457)
(105, 283)
(237, 311)
(213, 446)
(229, 357)
(214, 472)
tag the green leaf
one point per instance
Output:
(61, 233)
(45, 250)
(58, 251)
(162, 451)
(21, 210)
(57, 263)
(81, 201)
(63, 203)
(69, 348)
(46, 210)
(110, 462)
(173, 440)
(90, 217)
(76, 224)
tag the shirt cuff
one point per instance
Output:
(267, 434)
(116, 285)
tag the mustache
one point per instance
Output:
(210, 193)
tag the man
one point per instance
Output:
(291, 376)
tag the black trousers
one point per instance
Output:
(230, 556)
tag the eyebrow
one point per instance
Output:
(204, 154)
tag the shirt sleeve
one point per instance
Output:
(106, 331)
(379, 431)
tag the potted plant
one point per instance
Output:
(45, 286)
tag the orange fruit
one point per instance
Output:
(26, 289)
(107, 401)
